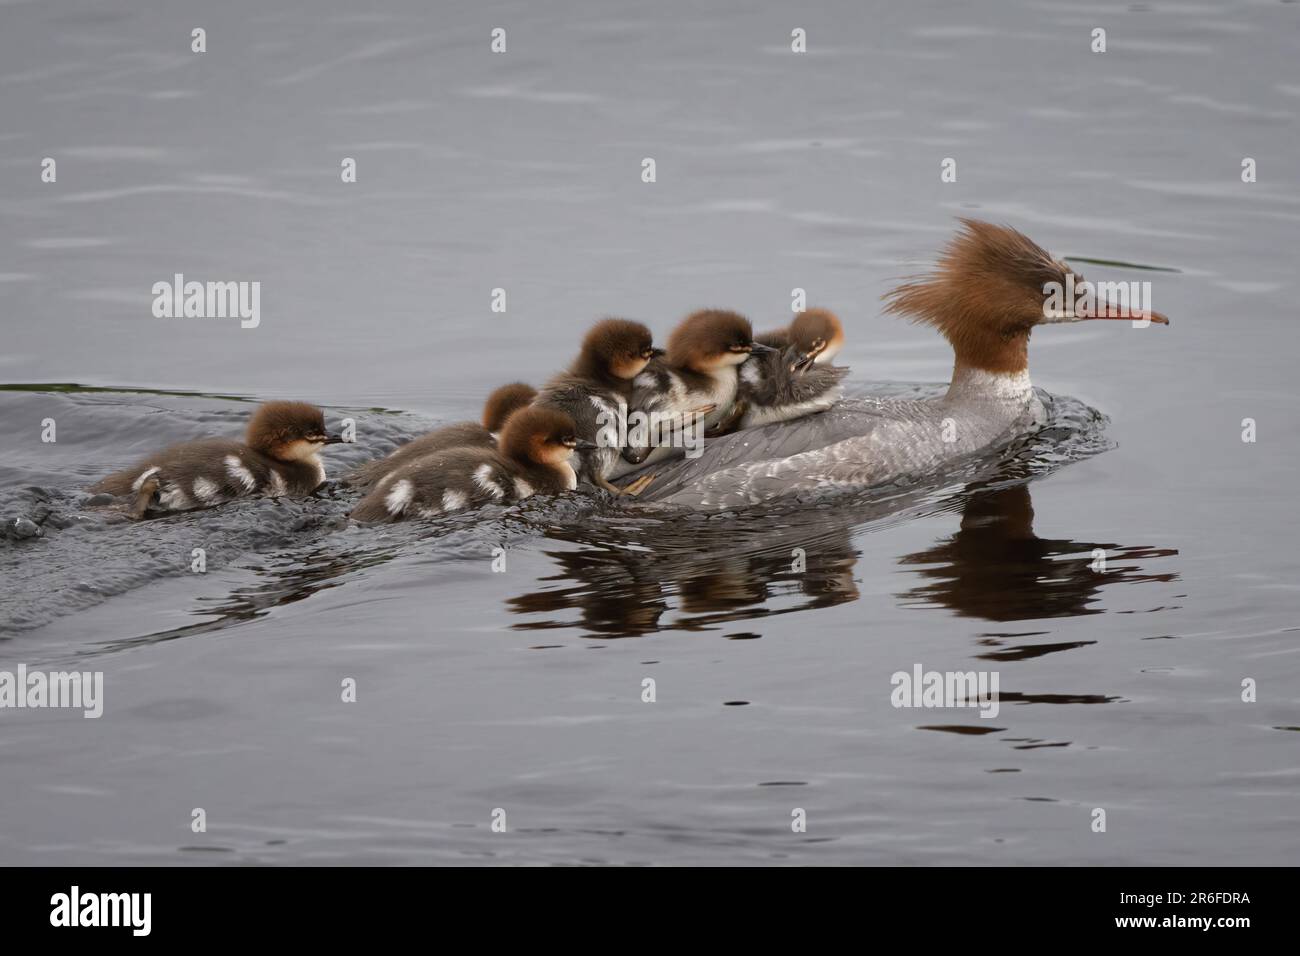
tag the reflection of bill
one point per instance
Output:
(640, 431)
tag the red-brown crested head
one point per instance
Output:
(991, 286)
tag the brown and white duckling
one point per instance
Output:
(818, 333)
(597, 390)
(279, 456)
(795, 380)
(698, 373)
(500, 405)
(532, 457)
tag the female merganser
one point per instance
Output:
(277, 457)
(795, 380)
(697, 377)
(989, 291)
(500, 405)
(596, 390)
(533, 457)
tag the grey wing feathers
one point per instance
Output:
(765, 443)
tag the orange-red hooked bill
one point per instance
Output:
(1119, 312)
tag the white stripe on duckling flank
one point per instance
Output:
(206, 491)
(235, 468)
(483, 478)
(173, 498)
(399, 497)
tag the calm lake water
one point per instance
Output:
(1121, 688)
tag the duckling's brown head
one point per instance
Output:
(616, 348)
(542, 436)
(504, 402)
(288, 431)
(991, 286)
(712, 339)
(817, 335)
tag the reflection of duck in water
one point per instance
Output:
(702, 574)
(996, 568)
(642, 580)
(988, 293)
(624, 588)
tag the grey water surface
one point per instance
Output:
(771, 633)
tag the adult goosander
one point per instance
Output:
(596, 390)
(533, 457)
(500, 405)
(987, 293)
(797, 378)
(279, 456)
(697, 376)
